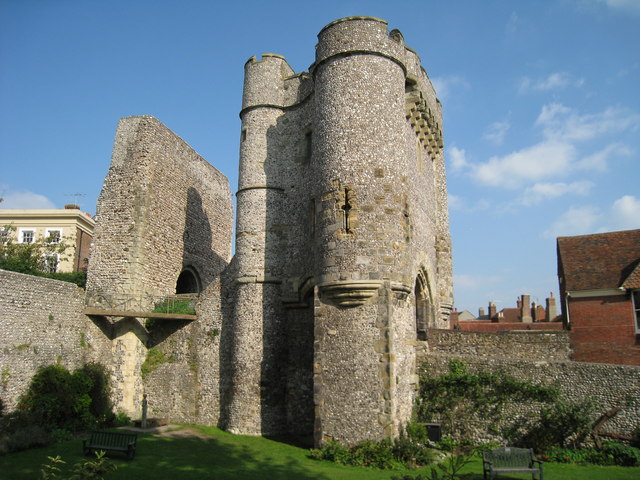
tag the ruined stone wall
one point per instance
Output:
(541, 358)
(42, 324)
(185, 385)
(162, 208)
(163, 211)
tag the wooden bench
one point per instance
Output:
(111, 441)
(511, 460)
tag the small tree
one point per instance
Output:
(30, 258)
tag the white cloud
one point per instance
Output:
(553, 81)
(447, 86)
(496, 132)
(461, 204)
(557, 154)
(544, 191)
(25, 200)
(599, 160)
(575, 221)
(466, 281)
(632, 6)
(543, 160)
(625, 213)
(562, 123)
(457, 158)
(512, 24)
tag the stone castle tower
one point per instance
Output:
(343, 252)
(343, 249)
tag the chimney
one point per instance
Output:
(525, 309)
(552, 309)
(492, 310)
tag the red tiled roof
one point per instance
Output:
(633, 280)
(603, 260)
(510, 315)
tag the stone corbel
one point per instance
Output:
(349, 293)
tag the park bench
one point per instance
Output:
(111, 441)
(510, 460)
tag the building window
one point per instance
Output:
(27, 236)
(51, 263)
(53, 235)
(4, 235)
(636, 309)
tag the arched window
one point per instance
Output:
(188, 281)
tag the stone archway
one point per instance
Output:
(188, 281)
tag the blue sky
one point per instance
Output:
(541, 107)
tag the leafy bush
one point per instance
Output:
(412, 453)
(447, 470)
(459, 397)
(383, 454)
(59, 399)
(562, 424)
(86, 470)
(29, 436)
(612, 453)
(332, 451)
(623, 455)
(121, 420)
(79, 278)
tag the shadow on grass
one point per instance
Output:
(159, 458)
(195, 458)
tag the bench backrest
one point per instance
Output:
(509, 457)
(116, 439)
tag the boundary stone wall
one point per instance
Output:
(538, 357)
(42, 324)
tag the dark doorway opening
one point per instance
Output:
(188, 281)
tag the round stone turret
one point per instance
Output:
(359, 154)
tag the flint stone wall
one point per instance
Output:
(42, 324)
(162, 208)
(529, 345)
(525, 357)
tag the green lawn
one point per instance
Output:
(227, 456)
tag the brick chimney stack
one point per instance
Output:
(525, 309)
(552, 309)
(492, 310)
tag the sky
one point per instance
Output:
(541, 105)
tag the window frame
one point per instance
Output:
(21, 233)
(47, 234)
(47, 257)
(635, 305)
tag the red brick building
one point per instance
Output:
(599, 278)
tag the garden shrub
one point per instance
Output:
(612, 453)
(459, 398)
(383, 454)
(85, 470)
(412, 453)
(562, 424)
(370, 453)
(332, 451)
(57, 398)
(623, 455)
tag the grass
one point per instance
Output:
(227, 456)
